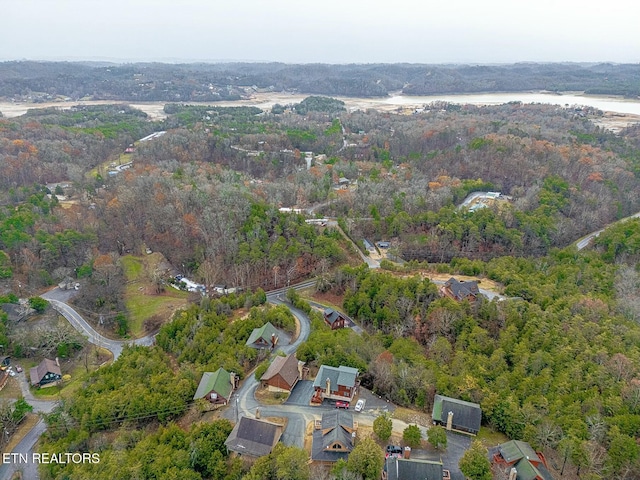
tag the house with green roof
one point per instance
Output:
(264, 337)
(520, 461)
(216, 387)
(457, 414)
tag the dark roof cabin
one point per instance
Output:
(457, 414)
(405, 469)
(334, 319)
(253, 437)
(461, 290)
(47, 373)
(334, 439)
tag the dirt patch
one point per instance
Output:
(615, 122)
(328, 298)
(308, 436)
(412, 416)
(264, 396)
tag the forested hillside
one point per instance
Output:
(36, 81)
(224, 195)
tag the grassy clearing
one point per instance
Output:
(106, 165)
(141, 298)
(490, 437)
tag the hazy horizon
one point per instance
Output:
(332, 32)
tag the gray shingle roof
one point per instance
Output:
(336, 429)
(466, 415)
(405, 469)
(345, 376)
(462, 290)
(253, 437)
(331, 316)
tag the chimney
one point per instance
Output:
(328, 386)
(232, 379)
(407, 452)
(513, 474)
(449, 421)
(274, 340)
(300, 365)
(57, 362)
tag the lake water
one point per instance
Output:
(607, 104)
(267, 100)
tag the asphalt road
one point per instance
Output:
(585, 241)
(24, 448)
(58, 297)
(243, 401)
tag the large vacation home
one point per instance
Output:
(457, 414)
(335, 383)
(520, 462)
(333, 438)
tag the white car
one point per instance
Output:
(360, 405)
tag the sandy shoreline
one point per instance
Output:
(613, 120)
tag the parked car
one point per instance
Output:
(393, 451)
(344, 405)
(360, 405)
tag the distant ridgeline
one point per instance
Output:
(232, 81)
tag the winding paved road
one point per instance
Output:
(585, 241)
(243, 401)
(57, 299)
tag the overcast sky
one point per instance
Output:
(327, 31)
